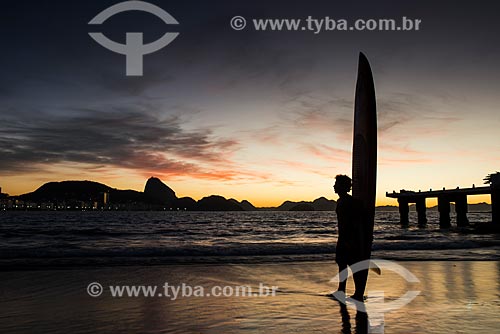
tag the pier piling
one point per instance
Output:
(444, 212)
(461, 210)
(495, 204)
(421, 210)
(404, 209)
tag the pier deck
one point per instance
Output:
(445, 197)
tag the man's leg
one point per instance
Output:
(343, 273)
(360, 279)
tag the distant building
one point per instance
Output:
(106, 198)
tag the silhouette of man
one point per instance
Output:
(349, 248)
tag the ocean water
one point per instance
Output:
(42, 239)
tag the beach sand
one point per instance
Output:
(455, 297)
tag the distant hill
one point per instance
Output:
(186, 203)
(158, 192)
(323, 204)
(217, 203)
(80, 191)
(156, 196)
(245, 205)
(319, 204)
(387, 208)
(479, 207)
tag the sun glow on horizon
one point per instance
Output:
(263, 194)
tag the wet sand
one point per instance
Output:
(455, 297)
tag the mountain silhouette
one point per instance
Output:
(217, 203)
(80, 191)
(303, 207)
(156, 196)
(67, 189)
(245, 205)
(319, 204)
(186, 203)
(158, 192)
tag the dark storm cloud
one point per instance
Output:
(121, 138)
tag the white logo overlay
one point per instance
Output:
(375, 306)
(134, 49)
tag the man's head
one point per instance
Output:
(342, 184)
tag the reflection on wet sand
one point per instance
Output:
(455, 297)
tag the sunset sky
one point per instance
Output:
(262, 116)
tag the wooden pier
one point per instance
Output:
(445, 197)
